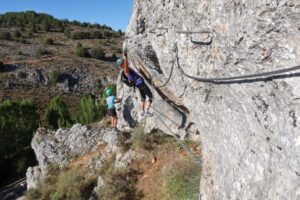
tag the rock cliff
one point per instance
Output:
(249, 128)
(62, 146)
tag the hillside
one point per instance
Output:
(32, 56)
(42, 57)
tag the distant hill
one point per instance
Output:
(43, 21)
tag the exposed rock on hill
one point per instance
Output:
(60, 147)
(249, 129)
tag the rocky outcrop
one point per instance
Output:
(62, 146)
(249, 129)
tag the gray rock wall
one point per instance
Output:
(249, 129)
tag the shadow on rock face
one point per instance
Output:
(128, 107)
(10, 68)
(70, 79)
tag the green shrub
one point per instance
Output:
(71, 185)
(5, 35)
(18, 122)
(67, 32)
(46, 26)
(79, 35)
(17, 34)
(54, 76)
(118, 50)
(48, 41)
(82, 52)
(140, 140)
(121, 185)
(57, 114)
(97, 35)
(107, 34)
(42, 51)
(63, 185)
(97, 53)
(22, 40)
(33, 28)
(181, 180)
(29, 34)
(89, 111)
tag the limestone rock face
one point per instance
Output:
(249, 129)
(64, 144)
(34, 177)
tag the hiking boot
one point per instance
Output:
(143, 114)
(148, 114)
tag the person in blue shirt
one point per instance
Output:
(111, 110)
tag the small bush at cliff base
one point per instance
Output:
(72, 185)
(121, 185)
(89, 111)
(57, 114)
(63, 185)
(181, 180)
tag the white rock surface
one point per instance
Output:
(249, 130)
(61, 146)
(34, 177)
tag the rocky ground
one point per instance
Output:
(89, 149)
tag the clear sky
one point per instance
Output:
(114, 13)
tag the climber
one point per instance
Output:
(132, 79)
(111, 100)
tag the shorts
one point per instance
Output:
(112, 112)
(145, 91)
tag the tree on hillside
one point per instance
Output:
(46, 26)
(18, 122)
(5, 35)
(57, 114)
(97, 53)
(89, 111)
(82, 51)
(17, 34)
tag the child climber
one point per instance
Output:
(111, 100)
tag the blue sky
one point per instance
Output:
(114, 13)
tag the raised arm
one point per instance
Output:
(126, 68)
